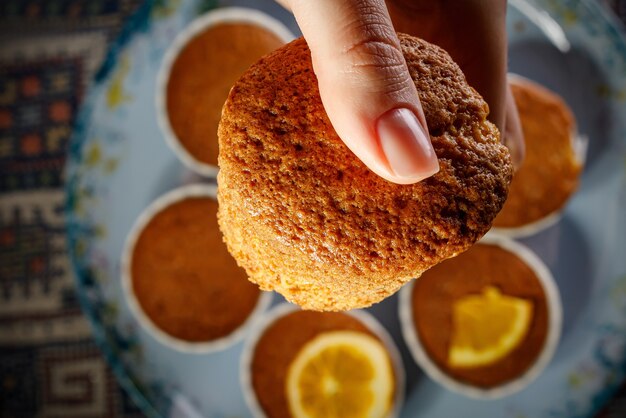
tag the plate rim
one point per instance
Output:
(134, 22)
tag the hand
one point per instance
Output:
(365, 85)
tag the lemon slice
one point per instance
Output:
(487, 327)
(340, 374)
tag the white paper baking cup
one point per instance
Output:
(201, 347)
(284, 309)
(579, 145)
(196, 27)
(555, 315)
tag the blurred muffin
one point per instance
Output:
(180, 281)
(549, 174)
(486, 320)
(305, 217)
(198, 71)
(304, 363)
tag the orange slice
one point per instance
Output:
(341, 374)
(487, 327)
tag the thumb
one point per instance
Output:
(513, 136)
(366, 87)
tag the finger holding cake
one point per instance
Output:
(305, 217)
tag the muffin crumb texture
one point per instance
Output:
(305, 217)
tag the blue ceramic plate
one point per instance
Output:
(119, 163)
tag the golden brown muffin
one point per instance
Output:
(305, 217)
(280, 344)
(439, 288)
(201, 77)
(550, 171)
(191, 294)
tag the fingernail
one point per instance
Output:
(406, 145)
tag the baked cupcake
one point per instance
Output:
(549, 174)
(320, 364)
(305, 217)
(197, 72)
(180, 281)
(484, 323)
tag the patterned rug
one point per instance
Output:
(49, 365)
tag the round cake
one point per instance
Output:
(549, 174)
(191, 295)
(481, 267)
(279, 345)
(201, 77)
(305, 217)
